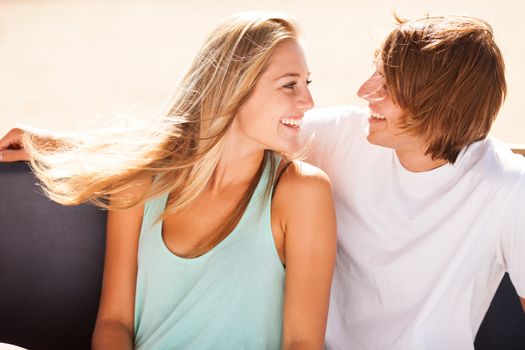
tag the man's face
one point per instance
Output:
(385, 116)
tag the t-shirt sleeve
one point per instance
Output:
(513, 242)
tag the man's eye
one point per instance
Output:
(309, 81)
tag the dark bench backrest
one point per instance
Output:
(51, 261)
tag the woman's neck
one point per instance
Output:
(237, 165)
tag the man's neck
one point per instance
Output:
(418, 161)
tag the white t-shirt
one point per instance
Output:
(420, 255)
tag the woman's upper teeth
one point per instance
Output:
(376, 115)
(292, 121)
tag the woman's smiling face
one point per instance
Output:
(272, 116)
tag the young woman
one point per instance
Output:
(215, 238)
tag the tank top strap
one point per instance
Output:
(261, 198)
(152, 210)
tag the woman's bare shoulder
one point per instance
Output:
(301, 186)
(305, 177)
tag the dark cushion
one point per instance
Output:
(51, 263)
(504, 325)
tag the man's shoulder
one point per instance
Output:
(503, 159)
(494, 161)
(335, 115)
(333, 125)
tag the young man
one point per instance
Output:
(431, 211)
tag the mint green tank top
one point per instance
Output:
(229, 298)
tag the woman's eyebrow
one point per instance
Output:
(290, 75)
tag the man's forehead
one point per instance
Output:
(378, 63)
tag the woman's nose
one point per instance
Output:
(306, 100)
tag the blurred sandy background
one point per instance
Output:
(68, 64)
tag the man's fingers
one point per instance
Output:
(11, 139)
(13, 155)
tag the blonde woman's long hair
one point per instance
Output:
(180, 148)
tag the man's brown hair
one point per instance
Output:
(447, 73)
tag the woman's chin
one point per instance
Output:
(291, 148)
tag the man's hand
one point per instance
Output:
(11, 148)
(522, 303)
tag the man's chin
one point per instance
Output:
(377, 142)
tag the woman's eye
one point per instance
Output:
(293, 85)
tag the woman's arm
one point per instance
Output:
(305, 207)
(114, 328)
